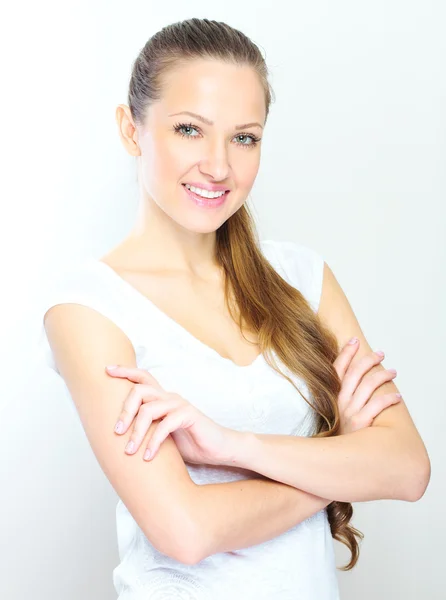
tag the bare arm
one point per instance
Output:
(386, 460)
(239, 514)
(168, 506)
(371, 464)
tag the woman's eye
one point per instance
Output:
(186, 129)
(243, 137)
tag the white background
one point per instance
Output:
(353, 164)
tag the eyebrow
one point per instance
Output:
(208, 122)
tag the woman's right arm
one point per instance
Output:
(172, 511)
(244, 513)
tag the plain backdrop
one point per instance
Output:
(353, 165)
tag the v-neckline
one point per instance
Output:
(171, 322)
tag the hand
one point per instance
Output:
(357, 411)
(198, 438)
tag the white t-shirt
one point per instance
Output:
(298, 564)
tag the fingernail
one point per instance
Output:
(353, 340)
(111, 367)
(119, 427)
(130, 446)
(380, 353)
(147, 454)
(398, 395)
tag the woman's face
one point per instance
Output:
(219, 151)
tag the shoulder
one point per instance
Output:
(83, 297)
(80, 283)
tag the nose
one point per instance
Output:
(215, 164)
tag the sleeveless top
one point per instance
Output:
(296, 565)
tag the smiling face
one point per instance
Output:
(216, 147)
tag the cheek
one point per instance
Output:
(162, 163)
(175, 159)
(165, 157)
(247, 170)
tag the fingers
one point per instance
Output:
(149, 412)
(370, 383)
(172, 422)
(354, 375)
(134, 374)
(344, 359)
(138, 394)
(372, 409)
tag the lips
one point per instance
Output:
(205, 202)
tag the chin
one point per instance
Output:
(195, 226)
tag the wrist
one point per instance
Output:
(241, 449)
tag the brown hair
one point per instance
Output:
(266, 304)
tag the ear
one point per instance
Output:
(127, 130)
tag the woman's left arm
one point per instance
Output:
(387, 460)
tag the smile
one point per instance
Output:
(214, 200)
(204, 193)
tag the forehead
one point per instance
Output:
(218, 90)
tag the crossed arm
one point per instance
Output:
(386, 460)
(376, 462)
(239, 514)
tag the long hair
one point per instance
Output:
(259, 299)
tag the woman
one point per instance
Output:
(261, 431)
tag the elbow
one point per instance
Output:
(186, 555)
(189, 557)
(184, 545)
(419, 479)
(191, 547)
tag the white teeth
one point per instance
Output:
(204, 193)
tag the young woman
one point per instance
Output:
(234, 368)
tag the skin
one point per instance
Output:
(171, 233)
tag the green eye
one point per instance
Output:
(185, 130)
